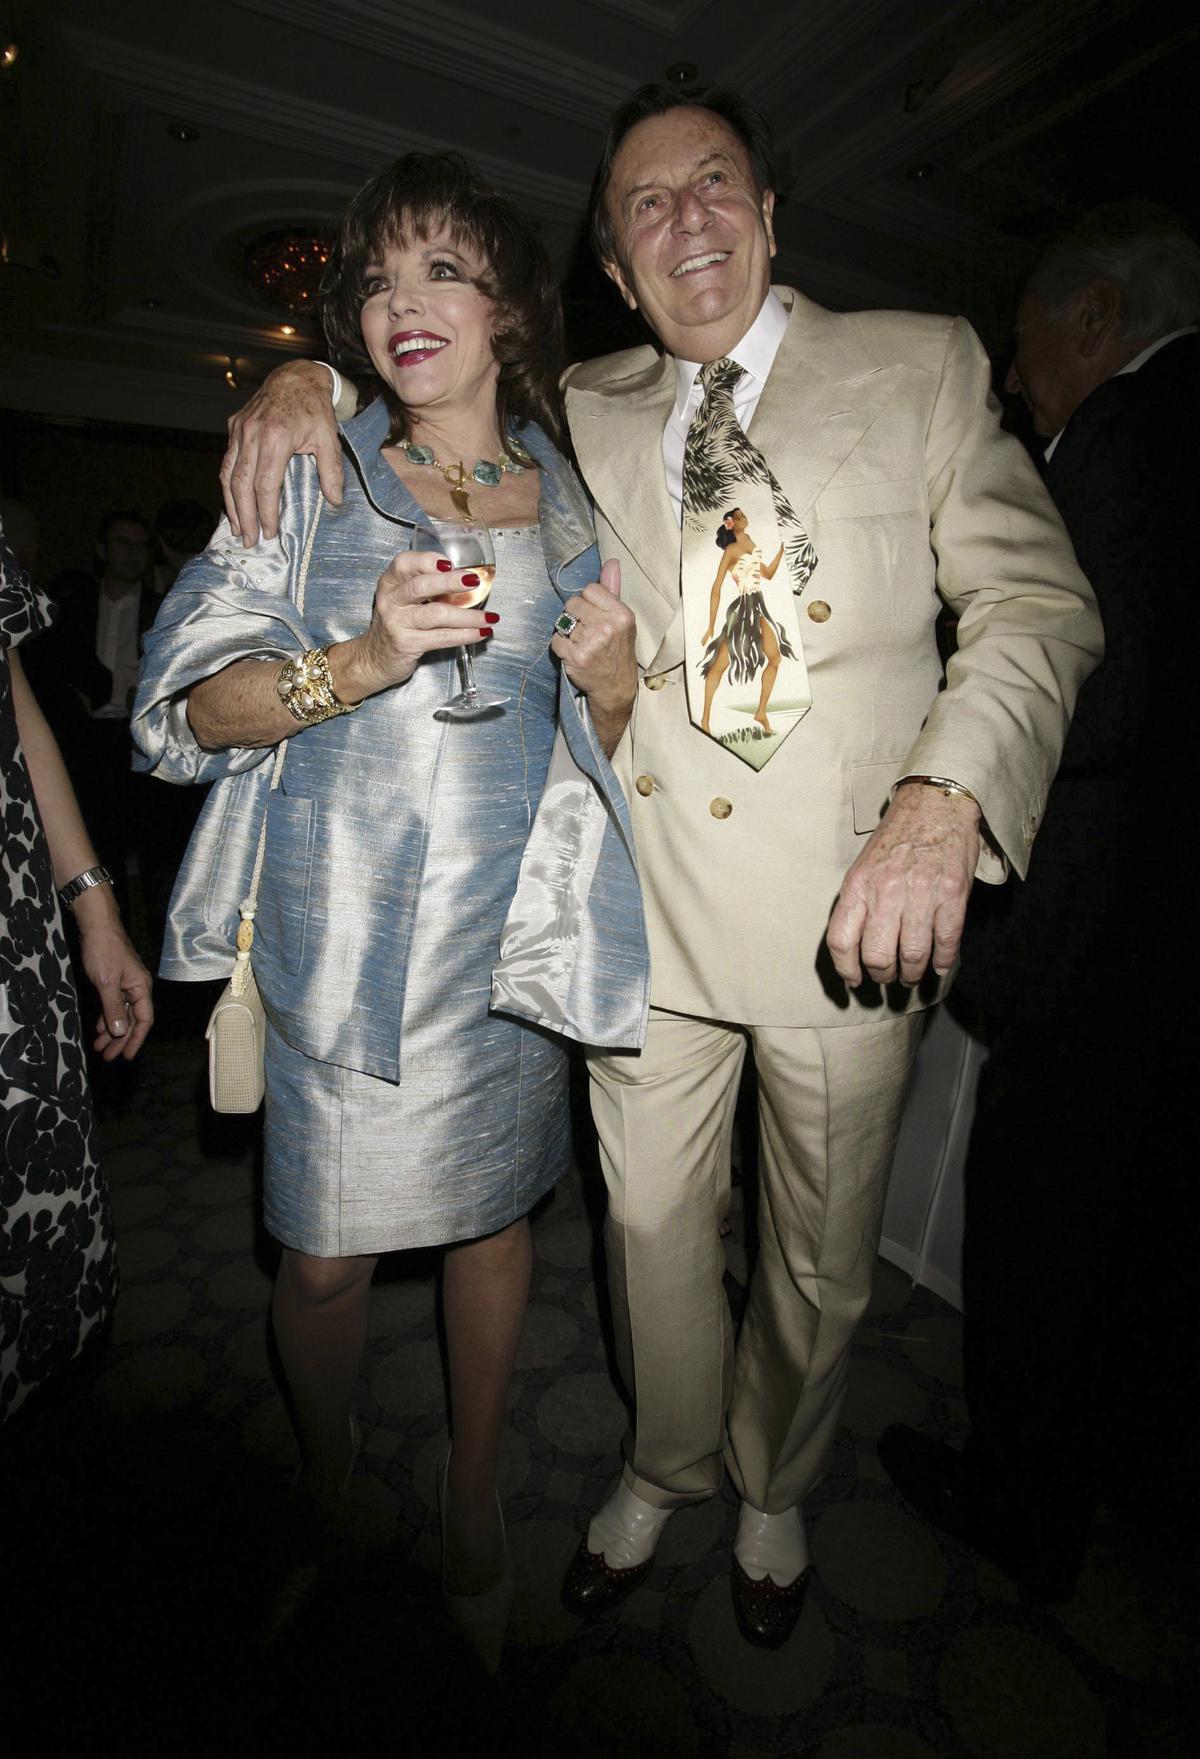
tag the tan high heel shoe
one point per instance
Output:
(482, 1618)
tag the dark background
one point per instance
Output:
(927, 147)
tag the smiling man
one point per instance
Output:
(804, 870)
(875, 437)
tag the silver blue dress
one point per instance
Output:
(476, 1129)
(400, 1111)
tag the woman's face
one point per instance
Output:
(426, 327)
(737, 521)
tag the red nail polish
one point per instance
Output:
(444, 567)
(470, 580)
(491, 616)
(485, 632)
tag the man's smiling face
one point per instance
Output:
(693, 239)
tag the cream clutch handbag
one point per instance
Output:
(237, 1027)
(236, 1034)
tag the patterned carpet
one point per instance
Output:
(152, 1607)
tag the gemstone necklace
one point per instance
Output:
(487, 472)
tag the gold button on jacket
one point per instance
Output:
(819, 611)
(644, 785)
(657, 682)
(720, 808)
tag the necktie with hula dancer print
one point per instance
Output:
(744, 557)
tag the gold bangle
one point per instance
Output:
(948, 788)
(306, 689)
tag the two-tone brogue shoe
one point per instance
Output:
(616, 1556)
(770, 1575)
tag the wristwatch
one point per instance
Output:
(83, 882)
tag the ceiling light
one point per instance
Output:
(682, 73)
(919, 173)
(231, 378)
(8, 56)
(287, 329)
(182, 131)
(285, 268)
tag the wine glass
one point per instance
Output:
(469, 547)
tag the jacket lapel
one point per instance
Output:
(811, 417)
(617, 432)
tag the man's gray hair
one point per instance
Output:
(1144, 249)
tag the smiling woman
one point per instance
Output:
(419, 231)
(399, 1111)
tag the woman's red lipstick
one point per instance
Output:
(412, 347)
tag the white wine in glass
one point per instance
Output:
(469, 547)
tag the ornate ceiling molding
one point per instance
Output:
(1003, 140)
(209, 339)
(898, 210)
(466, 47)
(662, 18)
(43, 385)
(982, 76)
(784, 64)
(219, 99)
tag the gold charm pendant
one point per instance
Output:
(456, 476)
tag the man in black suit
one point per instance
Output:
(1078, 1179)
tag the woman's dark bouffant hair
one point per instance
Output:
(411, 199)
(725, 536)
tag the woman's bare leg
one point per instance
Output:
(717, 671)
(319, 1315)
(770, 672)
(484, 1293)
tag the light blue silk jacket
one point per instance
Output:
(330, 957)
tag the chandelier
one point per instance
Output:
(285, 269)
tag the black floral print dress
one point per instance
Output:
(57, 1265)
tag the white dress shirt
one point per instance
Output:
(755, 354)
(117, 648)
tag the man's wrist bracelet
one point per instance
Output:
(306, 689)
(83, 882)
(949, 788)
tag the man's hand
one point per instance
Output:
(598, 655)
(905, 897)
(292, 411)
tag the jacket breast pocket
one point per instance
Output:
(871, 500)
(871, 791)
(282, 917)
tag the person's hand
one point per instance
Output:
(122, 982)
(707, 636)
(292, 411)
(598, 655)
(410, 618)
(903, 902)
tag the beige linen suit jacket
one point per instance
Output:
(883, 431)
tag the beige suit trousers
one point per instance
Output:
(829, 1111)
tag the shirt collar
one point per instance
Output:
(1139, 360)
(755, 353)
(1131, 366)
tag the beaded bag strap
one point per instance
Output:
(249, 905)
